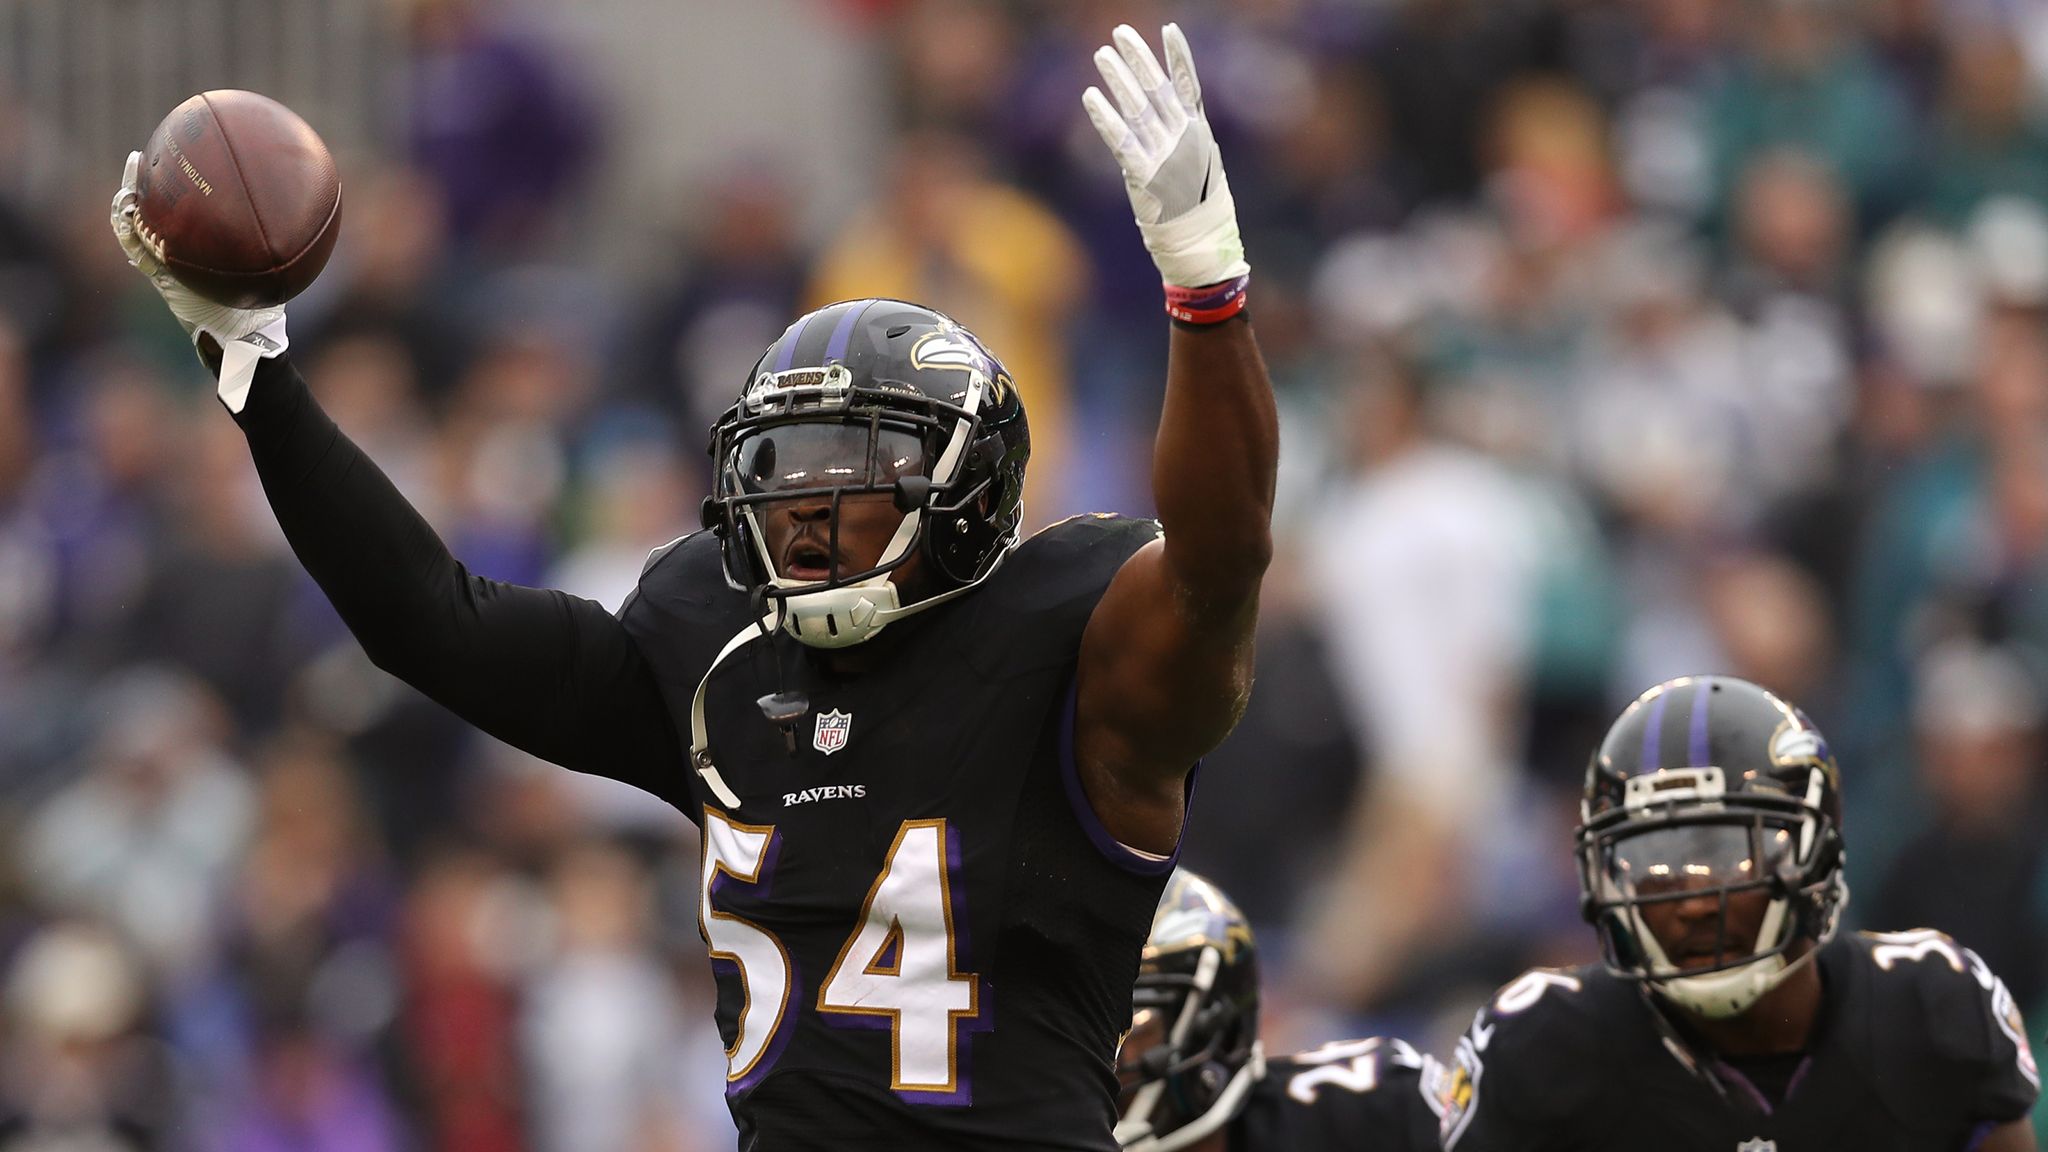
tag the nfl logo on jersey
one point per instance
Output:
(1757, 1146)
(830, 736)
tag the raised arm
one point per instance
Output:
(552, 674)
(1166, 661)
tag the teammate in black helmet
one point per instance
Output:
(1730, 1015)
(940, 769)
(1195, 1078)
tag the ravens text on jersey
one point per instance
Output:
(1192, 1072)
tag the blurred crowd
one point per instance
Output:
(1614, 340)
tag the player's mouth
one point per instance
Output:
(1695, 955)
(807, 560)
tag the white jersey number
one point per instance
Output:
(740, 853)
(1351, 1065)
(898, 964)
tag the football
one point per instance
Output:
(239, 198)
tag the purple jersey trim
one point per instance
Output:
(1729, 1073)
(792, 1003)
(1114, 850)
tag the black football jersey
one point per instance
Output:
(1919, 1046)
(921, 935)
(1351, 1096)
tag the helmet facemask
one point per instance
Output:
(1756, 875)
(1189, 1061)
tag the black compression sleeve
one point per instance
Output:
(550, 673)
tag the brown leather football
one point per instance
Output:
(239, 198)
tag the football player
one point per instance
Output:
(940, 770)
(1729, 1015)
(1194, 1076)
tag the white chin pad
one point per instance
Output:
(1732, 991)
(1719, 995)
(841, 617)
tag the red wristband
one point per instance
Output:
(1211, 305)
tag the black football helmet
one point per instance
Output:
(1187, 1065)
(871, 396)
(1711, 787)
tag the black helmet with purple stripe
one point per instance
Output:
(1713, 796)
(868, 397)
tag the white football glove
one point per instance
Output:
(1162, 141)
(244, 335)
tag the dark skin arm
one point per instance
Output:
(2017, 1136)
(1166, 660)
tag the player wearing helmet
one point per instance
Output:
(1194, 1075)
(1729, 1014)
(940, 769)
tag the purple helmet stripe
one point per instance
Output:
(790, 340)
(842, 334)
(1653, 729)
(1696, 736)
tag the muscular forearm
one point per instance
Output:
(1214, 465)
(542, 670)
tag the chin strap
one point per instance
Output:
(700, 740)
(700, 736)
(1136, 1135)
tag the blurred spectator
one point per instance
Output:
(1425, 567)
(503, 459)
(1993, 139)
(738, 286)
(392, 280)
(104, 499)
(496, 121)
(28, 563)
(79, 1074)
(991, 257)
(308, 961)
(1328, 172)
(1978, 870)
(1789, 286)
(1804, 84)
(309, 1098)
(640, 498)
(1662, 406)
(953, 55)
(148, 835)
(462, 946)
(220, 598)
(1441, 62)
(1275, 792)
(1770, 620)
(369, 384)
(600, 1021)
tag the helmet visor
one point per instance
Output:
(816, 457)
(1702, 890)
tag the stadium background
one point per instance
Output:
(1614, 339)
